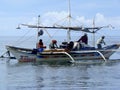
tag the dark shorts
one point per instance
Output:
(99, 46)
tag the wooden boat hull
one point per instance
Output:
(60, 55)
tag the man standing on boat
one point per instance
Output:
(84, 39)
(100, 42)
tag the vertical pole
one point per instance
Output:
(69, 9)
(38, 23)
(38, 26)
(69, 17)
(93, 32)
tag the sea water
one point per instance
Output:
(35, 76)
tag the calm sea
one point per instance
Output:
(33, 76)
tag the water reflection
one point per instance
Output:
(3, 79)
(85, 76)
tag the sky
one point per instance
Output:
(15, 12)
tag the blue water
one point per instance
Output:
(80, 76)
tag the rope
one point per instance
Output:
(21, 42)
(23, 36)
(23, 39)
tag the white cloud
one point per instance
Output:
(51, 18)
(99, 17)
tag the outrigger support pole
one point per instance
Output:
(95, 51)
(72, 60)
(2, 56)
(69, 56)
(8, 55)
(102, 55)
(92, 51)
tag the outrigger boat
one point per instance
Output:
(63, 53)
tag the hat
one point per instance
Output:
(85, 33)
(54, 41)
(40, 40)
(103, 36)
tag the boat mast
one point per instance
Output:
(38, 23)
(69, 17)
(93, 32)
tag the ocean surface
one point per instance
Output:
(35, 76)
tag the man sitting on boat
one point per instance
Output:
(100, 41)
(70, 45)
(40, 46)
(53, 44)
(83, 39)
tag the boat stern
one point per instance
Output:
(21, 54)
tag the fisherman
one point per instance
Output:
(84, 39)
(100, 41)
(40, 46)
(53, 44)
(70, 45)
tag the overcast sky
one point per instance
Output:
(14, 12)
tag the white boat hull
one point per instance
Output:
(26, 55)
